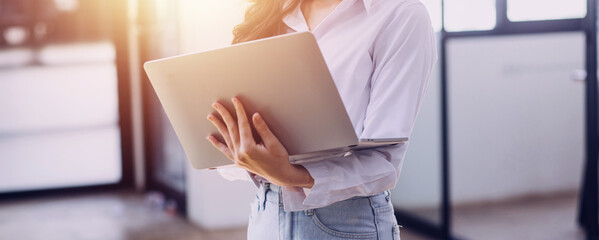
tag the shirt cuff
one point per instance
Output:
(322, 179)
(232, 173)
(293, 198)
(306, 191)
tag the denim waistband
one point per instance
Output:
(277, 189)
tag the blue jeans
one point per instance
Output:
(355, 218)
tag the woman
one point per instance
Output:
(380, 54)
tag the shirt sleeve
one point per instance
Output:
(403, 55)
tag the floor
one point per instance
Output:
(106, 216)
(550, 217)
(541, 217)
(128, 215)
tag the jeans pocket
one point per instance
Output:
(353, 219)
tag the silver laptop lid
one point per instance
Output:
(285, 78)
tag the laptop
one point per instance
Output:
(284, 78)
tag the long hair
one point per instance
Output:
(264, 18)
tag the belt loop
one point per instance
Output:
(280, 200)
(264, 193)
(309, 212)
(262, 196)
(388, 196)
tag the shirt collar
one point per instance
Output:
(297, 22)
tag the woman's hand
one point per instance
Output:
(268, 158)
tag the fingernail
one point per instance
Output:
(214, 105)
(234, 100)
(209, 117)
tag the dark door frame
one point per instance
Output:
(588, 209)
(589, 201)
(150, 45)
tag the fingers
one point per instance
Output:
(269, 138)
(221, 147)
(222, 129)
(245, 131)
(229, 122)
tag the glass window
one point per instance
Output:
(59, 122)
(531, 10)
(469, 15)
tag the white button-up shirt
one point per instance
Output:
(380, 54)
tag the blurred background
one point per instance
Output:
(505, 147)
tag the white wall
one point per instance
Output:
(212, 201)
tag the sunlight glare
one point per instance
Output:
(469, 15)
